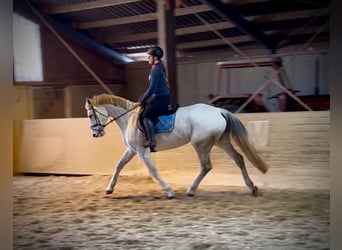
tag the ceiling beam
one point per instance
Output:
(244, 38)
(243, 2)
(153, 35)
(251, 52)
(180, 12)
(229, 12)
(289, 15)
(138, 18)
(217, 26)
(86, 6)
(115, 21)
(236, 39)
(213, 42)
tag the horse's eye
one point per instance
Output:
(90, 116)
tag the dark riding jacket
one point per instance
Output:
(158, 85)
(156, 98)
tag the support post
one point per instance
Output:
(166, 40)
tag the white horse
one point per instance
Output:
(202, 125)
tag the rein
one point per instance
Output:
(115, 118)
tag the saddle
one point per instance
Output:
(165, 120)
(171, 109)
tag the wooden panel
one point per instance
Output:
(22, 102)
(66, 146)
(297, 150)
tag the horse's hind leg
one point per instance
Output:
(230, 150)
(203, 152)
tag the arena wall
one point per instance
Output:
(295, 144)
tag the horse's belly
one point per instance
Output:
(170, 141)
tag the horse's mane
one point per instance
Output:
(112, 99)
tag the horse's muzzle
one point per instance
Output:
(98, 134)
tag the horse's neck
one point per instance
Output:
(120, 112)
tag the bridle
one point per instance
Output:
(98, 122)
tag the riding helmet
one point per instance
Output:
(156, 51)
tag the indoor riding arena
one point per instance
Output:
(267, 62)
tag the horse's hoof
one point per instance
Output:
(255, 191)
(170, 194)
(108, 191)
(190, 194)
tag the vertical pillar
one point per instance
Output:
(68, 101)
(166, 40)
(218, 83)
(317, 69)
(228, 82)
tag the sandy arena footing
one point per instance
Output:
(69, 212)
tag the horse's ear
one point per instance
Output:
(88, 103)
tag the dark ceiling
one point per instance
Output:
(202, 28)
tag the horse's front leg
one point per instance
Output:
(125, 158)
(146, 158)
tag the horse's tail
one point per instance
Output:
(238, 132)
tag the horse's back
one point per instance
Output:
(202, 117)
(203, 109)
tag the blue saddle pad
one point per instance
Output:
(165, 123)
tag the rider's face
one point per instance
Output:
(150, 59)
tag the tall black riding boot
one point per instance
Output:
(151, 139)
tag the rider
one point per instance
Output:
(157, 97)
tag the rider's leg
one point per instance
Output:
(151, 139)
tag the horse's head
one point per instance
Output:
(97, 117)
